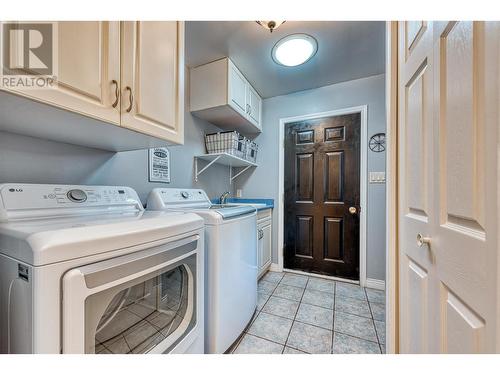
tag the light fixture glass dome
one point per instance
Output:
(295, 49)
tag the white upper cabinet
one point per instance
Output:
(128, 74)
(220, 94)
(153, 78)
(237, 86)
(88, 74)
(254, 103)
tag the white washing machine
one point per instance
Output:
(230, 262)
(84, 269)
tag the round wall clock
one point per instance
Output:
(377, 142)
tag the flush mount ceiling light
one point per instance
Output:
(270, 25)
(295, 49)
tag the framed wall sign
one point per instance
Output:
(159, 165)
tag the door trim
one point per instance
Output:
(391, 257)
(363, 110)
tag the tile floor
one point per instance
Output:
(298, 314)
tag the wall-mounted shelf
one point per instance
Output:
(222, 159)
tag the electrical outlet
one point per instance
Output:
(239, 193)
(377, 178)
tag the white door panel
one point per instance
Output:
(448, 121)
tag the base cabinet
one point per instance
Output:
(264, 241)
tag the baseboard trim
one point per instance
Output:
(375, 284)
(275, 267)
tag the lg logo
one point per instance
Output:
(28, 49)
(12, 190)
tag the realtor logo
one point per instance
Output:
(28, 55)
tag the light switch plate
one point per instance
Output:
(377, 178)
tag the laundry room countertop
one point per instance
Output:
(269, 203)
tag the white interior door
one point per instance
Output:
(448, 137)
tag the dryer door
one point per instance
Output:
(138, 303)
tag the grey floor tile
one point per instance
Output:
(271, 327)
(375, 295)
(355, 326)
(310, 339)
(266, 287)
(299, 281)
(281, 307)
(344, 344)
(380, 326)
(315, 315)
(350, 290)
(321, 285)
(352, 306)
(289, 292)
(273, 277)
(378, 311)
(256, 345)
(317, 298)
(261, 300)
(289, 350)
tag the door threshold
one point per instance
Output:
(356, 282)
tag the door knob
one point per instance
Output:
(352, 210)
(421, 240)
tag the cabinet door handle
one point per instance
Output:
(131, 98)
(249, 109)
(117, 93)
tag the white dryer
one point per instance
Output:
(230, 262)
(84, 269)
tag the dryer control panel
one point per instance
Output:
(30, 200)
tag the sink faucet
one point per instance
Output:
(223, 197)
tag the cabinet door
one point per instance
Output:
(254, 104)
(88, 70)
(266, 249)
(237, 90)
(264, 253)
(153, 79)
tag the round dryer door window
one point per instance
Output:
(141, 316)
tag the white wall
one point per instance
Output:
(263, 181)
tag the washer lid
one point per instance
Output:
(40, 242)
(232, 211)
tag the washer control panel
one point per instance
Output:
(38, 196)
(160, 198)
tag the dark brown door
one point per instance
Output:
(321, 187)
